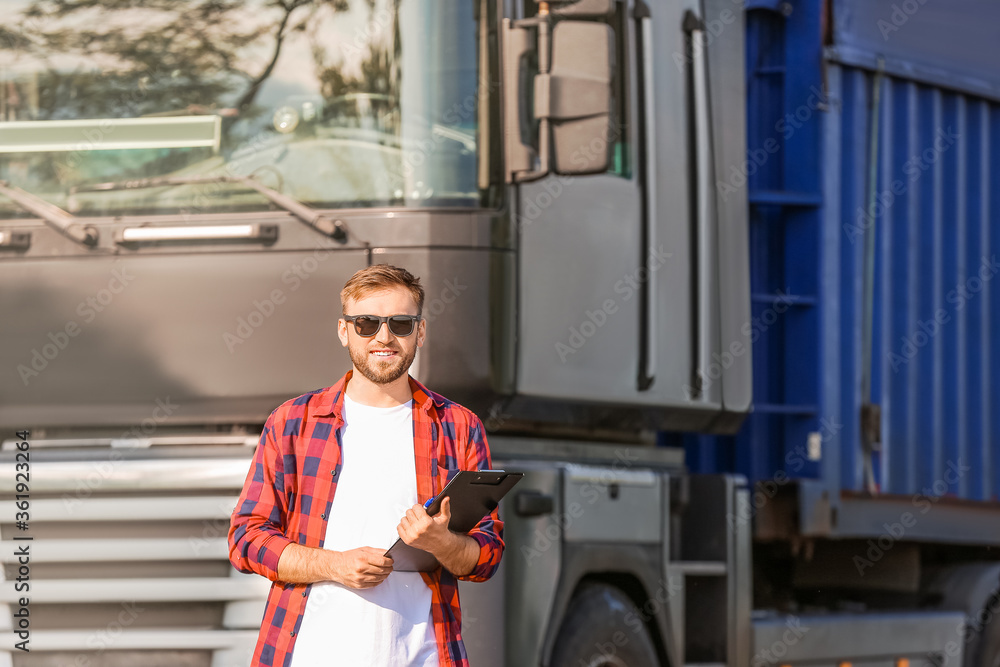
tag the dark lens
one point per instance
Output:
(366, 326)
(401, 326)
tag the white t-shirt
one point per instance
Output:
(390, 624)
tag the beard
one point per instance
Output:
(381, 371)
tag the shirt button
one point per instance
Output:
(293, 633)
(303, 593)
(323, 516)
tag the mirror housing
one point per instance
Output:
(582, 8)
(572, 97)
(576, 97)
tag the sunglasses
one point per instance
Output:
(368, 325)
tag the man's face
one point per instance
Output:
(382, 368)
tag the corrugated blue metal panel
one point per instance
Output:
(952, 44)
(937, 290)
(936, 307)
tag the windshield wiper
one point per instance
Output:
(335, 229)
(60, 220)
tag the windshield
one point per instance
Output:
(334, 103)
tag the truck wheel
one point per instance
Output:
(987, 649)
(972, 588)
(602, 630)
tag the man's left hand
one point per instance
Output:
(423, 531)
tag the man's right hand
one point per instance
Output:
(364, 567)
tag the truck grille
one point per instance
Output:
(127, 560)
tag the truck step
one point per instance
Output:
(699, 568)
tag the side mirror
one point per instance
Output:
(576, 97)
(571, 95)
(582, 8)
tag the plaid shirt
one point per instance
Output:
(289, 491)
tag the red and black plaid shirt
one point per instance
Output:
(289, 490)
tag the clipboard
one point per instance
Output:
(474, 494)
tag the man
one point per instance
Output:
(338, 474)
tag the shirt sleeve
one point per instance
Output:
(489, 531)
(258, 522)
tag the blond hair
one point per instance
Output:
(380, 277)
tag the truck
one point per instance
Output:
(716, 275)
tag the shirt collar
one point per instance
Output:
(331, 401)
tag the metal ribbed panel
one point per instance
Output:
(128, 558)
(937, 300)
(937, 226)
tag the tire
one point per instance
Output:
(986, 650)
(974, 589)
(603, 629)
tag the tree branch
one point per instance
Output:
(251, 94)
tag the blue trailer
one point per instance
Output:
(873, 165)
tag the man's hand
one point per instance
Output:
(423, 531)
(457, 553)
(364, 567)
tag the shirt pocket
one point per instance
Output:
(444, 475)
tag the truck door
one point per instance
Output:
(627, 252)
